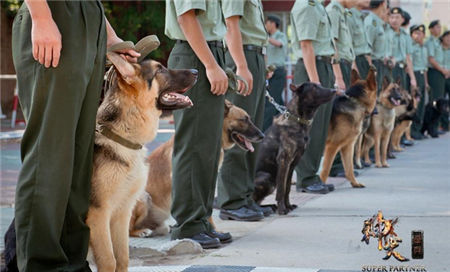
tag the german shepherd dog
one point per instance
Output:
(134, 100)
(346, 123)
(153, 208)
(131, 108)
(433, 110)
(405, 115)
(285, 143)
(382, 124)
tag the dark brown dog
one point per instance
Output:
(346, 123)
(285, 143)
(153, 208)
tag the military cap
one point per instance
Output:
(433, 23)
(397, 10)
(445, 34)
(417, 27)
(406, 18)
(375, 3)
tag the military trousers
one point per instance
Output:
(363, 65)
(420, 112)
(60, 106)
(346, 70)
(309, 164)
(197, 145)
(380, 73)
(445, 116)
(437, 82)
(399, 73)
(276, 87)
(236, 178)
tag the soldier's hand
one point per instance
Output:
(245, 74)
(46, 41)
(413, 83)
(218, 80)
(339, 84)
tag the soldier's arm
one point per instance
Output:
(234, 43)
(309, 59)
(45, 35)
(194, 35)
(112, 38)
(410, 70)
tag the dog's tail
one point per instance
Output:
(263, 186)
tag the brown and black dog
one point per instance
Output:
(153, 208)
(382, 124)
(346, 123)
(285, 143)
(127, 119)
(405, 114)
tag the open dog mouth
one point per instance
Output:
(242, 141)
(395, 102)
(173, 100)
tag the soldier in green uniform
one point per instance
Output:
(401, 50)
(60, 66)
(198, 28)
(436, 71)
(314, 49)
(376, 37)
(246, 40)
(276, 56)
(420, 60)
(445, 42)
(360, 42)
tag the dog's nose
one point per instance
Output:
(194, 72)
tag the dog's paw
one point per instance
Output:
(367, 164)
(385, 165)
(145, 233)
(378, 165)
(358, 185)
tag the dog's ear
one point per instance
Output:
(354, 77)
(228, 106)
(293, 87)
(371, 80)
(385, 83)
(125, 69)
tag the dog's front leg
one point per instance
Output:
(100, 239)
(377, 149)
(119, 235)
(347, 159)
(331, 150)
(288, 188)
(283, 162)
(384, 149)
(358, 146)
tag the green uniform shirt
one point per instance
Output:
(376, 36)
(310, 22)
(277, 55)
(435, 50)
(419, 57)
(355, 22)
(389, 34)
(251, 22)
(446, 58)
(340, 30)
(209, 15)
(400, 45)
(409, 44)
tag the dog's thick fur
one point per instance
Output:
(131, 108)
(346, 123)
(285, 143)
(433, 110)
(405, 114)
(153, 208)
(382, 124)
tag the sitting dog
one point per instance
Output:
(433, 111)
(126, 120)
(285, 143)
(346, 123)
(405, 115)
(153, 208)
(382, 124)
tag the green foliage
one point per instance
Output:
(133, 20)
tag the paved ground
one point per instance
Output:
(324, 232)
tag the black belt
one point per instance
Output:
(347, 62)
(326, 59)
(210, 43)
(420, 71)
(363, 55)
(259, 49)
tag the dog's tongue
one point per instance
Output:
(249, 145)
(395, 101)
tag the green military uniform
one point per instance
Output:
(401, 46)
(275, 56)
(376, 38)
(359, 41)
(198, 129)
(237, 174)
(435, 78)
(446, 65)
(388, 53)
(340, 32)
(60, 106)
(419, 59)
(310, 22)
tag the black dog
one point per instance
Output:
(285, 143)
(433, 111)
(10, 250)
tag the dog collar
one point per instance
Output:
(108, 133)
(297, 118)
